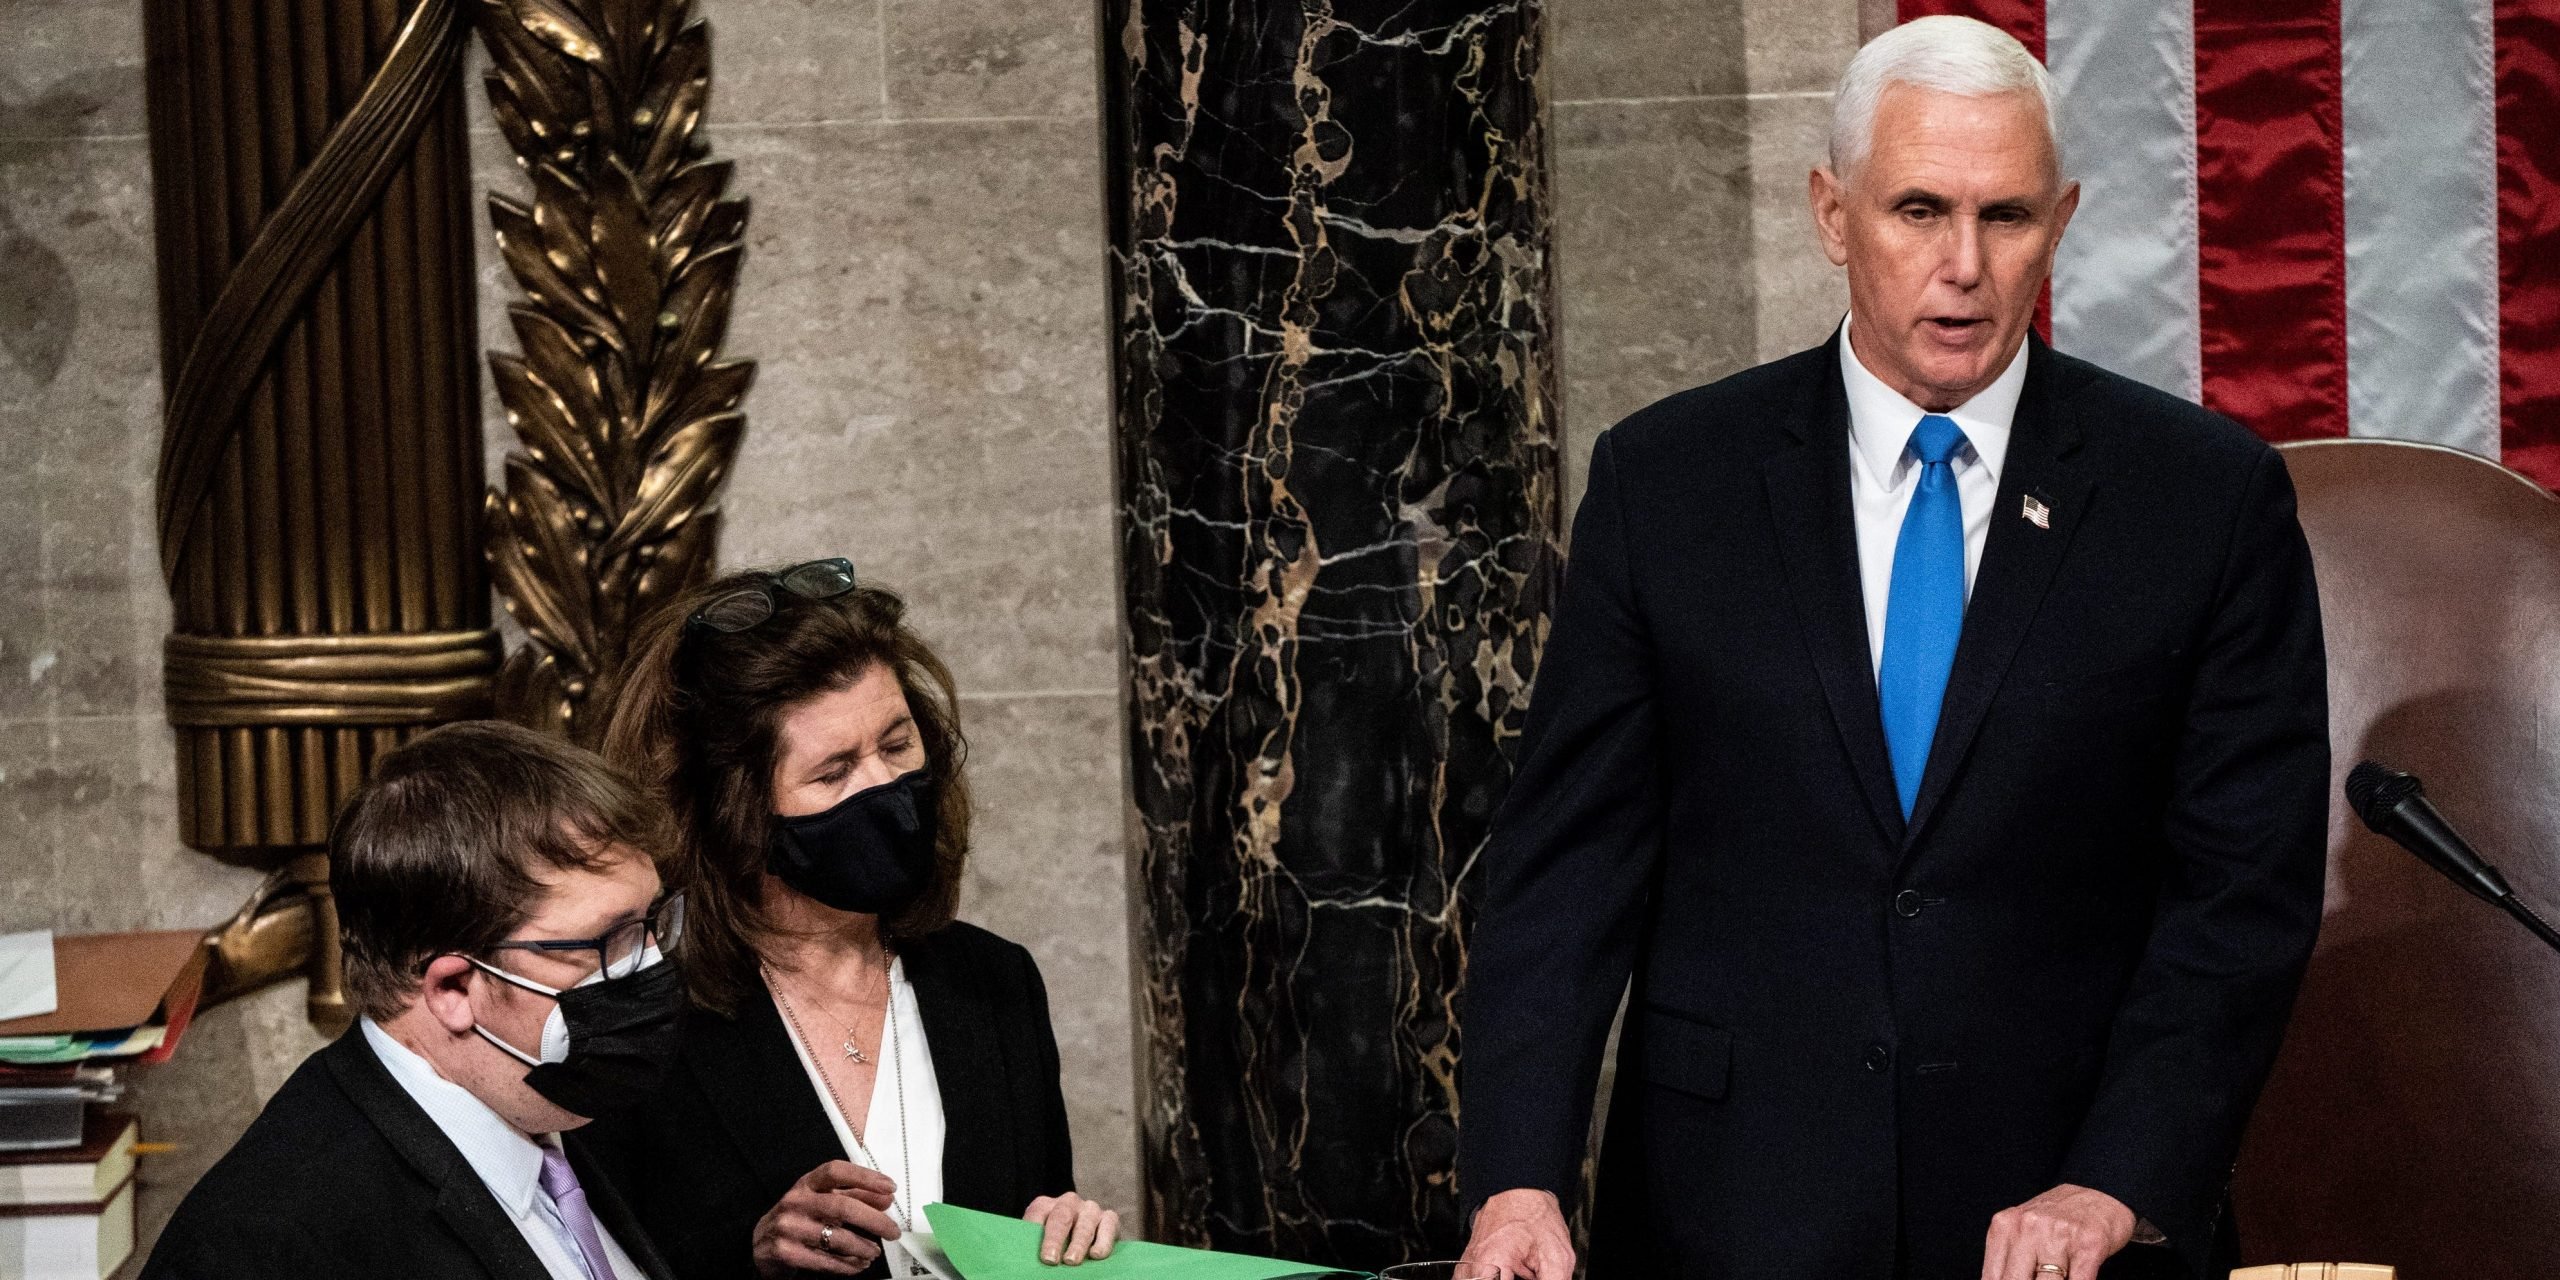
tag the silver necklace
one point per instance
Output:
(852, 1050)
(897, 1084)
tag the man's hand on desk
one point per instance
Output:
(2065, 1234)
(1524, 1230)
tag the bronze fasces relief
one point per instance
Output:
(321, 445)
(322, 454)
(628, 257)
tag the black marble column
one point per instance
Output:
(1339, 512)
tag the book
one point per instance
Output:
(87, 1174)
(68, 1242)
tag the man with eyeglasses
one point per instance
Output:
(507, 944)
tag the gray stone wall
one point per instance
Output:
(925, 290)
(1683, 133)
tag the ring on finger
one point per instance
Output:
(2050, 1269)
(826, 1234)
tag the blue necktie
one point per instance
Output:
(1924, 609)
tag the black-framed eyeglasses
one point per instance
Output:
(621, 949)
(734, 611)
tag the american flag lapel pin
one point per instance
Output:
(2034, 510)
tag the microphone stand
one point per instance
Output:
(2542, 929)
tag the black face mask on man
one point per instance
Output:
(608, 1042)
(872, 853)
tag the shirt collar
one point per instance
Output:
(509, 1163)
(1881, 419)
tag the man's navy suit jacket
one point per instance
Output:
(1852, 1039)
(344, 1175)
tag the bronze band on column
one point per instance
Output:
(321, 456)
(427, 677)
(1339, 515)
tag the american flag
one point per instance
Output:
(2322, 217)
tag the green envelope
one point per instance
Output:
(990, 1246)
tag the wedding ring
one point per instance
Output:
(826, 1234)
(2050, 1269)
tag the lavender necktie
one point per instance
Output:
(560, 1182)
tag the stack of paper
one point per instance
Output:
(73, 1013)
(81, 1009)
(80, 1046)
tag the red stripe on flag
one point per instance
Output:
(2023, 19)
(2528, 70)
(2271, 215)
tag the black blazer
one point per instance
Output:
(1851, 1039)
(343, 1174)
(739, 1121)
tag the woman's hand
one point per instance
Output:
(1074, 1228)
(830, 1222)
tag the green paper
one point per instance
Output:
(990, 1246)
(32, 1051)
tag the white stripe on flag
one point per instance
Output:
(2422, 221)
(2124, 281)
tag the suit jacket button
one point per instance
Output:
(1878, 1057)
(1906, 904)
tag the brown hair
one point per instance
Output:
(441, 850)
(698, 719)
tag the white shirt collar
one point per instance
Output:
(509, 1163)
(1881, 419)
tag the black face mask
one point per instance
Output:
(609, 1044)
(872, 853)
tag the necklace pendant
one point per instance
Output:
(853, 1052)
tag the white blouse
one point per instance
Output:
(912, 1150)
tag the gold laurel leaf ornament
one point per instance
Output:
(626, 418)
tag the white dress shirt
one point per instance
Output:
(509, 1163)
(1883, 473)
(912, 1147)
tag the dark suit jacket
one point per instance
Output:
(739, 1121)
(343, 1174)
(1851, 1039)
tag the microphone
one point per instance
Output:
(2395, 805)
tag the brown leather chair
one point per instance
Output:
(2414, 1115)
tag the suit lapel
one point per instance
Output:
(611, 1212)
(1818, 542)
(462, 1199)
(763, 1096)
(969, 1065)
(475, 1216)
(2018, 564)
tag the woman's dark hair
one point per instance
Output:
(444, 850)
(698, 720)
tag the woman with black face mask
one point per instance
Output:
(853, 1054)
